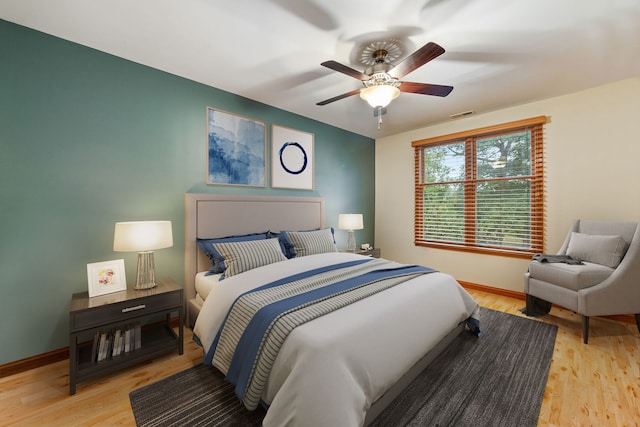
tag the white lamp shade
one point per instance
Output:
(379, 95)
(350, 222)
(139, 236)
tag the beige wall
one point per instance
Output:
(592, 157)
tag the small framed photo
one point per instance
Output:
(106, 277)
(291, 158)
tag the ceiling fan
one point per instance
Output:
(382, 82)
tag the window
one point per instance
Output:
(482, 190)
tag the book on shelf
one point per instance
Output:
(138, 336)
(102, 346)
(127, 339)
(109, 345)
(115, 342)
(94, 347)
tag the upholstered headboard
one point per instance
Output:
(218, 215)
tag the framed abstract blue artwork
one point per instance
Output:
(291, 158)
(236, 149)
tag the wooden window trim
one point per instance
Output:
(539, 120)
(537, 187)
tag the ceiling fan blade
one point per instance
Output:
(425, 89)
(417, 59)
(339, 97)
(336, 66)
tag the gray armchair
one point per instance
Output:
(606, 282)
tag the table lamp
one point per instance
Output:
(143, 237)
(350, 222)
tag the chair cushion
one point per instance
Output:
(600, 249)
(574, 277)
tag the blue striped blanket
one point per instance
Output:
(259, 321)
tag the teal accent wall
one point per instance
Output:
(88, 139)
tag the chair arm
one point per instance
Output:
(620, 292)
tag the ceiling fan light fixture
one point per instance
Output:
(381, 87)
(379, 96)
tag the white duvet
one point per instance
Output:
(330, 370)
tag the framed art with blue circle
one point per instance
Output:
(291, 158)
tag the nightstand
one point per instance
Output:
(373, 252)
(110, 332)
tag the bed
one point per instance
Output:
(341, 368)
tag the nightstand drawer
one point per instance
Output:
(122, 311)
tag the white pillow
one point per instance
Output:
(205, 283)
(242, 256)
(604, 250)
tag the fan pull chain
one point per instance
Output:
(379, 117)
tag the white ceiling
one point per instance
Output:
(498, 52)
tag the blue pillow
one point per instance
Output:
(285, 244)
(217, 260)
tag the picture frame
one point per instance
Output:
(106, 277)
(292, 158)
(236, 149)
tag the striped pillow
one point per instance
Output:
(312, 242)
(217, 261)
(243, 256)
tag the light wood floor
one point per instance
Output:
(589, 385)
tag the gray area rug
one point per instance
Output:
(495, 380)
(198, 396)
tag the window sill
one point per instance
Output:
(479, 250)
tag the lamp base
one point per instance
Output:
(351, 241)
(146, 276)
